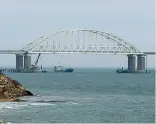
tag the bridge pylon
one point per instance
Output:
(141, 62)
(131, 63)
(19, 62)
(136, 63)
(23, 63)
(27, 62)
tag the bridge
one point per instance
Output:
(23, 52)
(79, 41)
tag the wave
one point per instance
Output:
(72, 103)
(36, 101)
(44, 99)
(21, 105)
(11, 105)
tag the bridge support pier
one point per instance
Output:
(131, 63)
(141, 63)
(19, 62)
(23, 63)
(27, 62)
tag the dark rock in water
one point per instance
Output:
(11, 89)
(51, 101)
(19, 100)
(28, 93)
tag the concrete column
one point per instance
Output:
(141, 63)
(27, 62)
(19, 62)
(131, 63)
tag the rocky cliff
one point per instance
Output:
(10, 89)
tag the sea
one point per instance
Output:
(88, 95)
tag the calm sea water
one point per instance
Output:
(85, 96)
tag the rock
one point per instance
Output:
(28, 93)
(1, 122)
(11, 89)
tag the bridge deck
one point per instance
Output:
(150, 53)
(12, 52)
(42, 52)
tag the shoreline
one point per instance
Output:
(12, 100)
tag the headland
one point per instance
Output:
(11, 90)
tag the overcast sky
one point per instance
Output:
(22, 21)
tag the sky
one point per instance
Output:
(23, 21)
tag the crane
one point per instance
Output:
(37, 59)
(35, 67)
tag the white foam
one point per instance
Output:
(6, 105)
(72, 103)
(41, 104)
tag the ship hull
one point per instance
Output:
(61, 69)
(68, 70)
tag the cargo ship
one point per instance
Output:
(61, 69)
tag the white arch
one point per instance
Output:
(119, 46)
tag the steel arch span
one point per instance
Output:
(81, 41)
